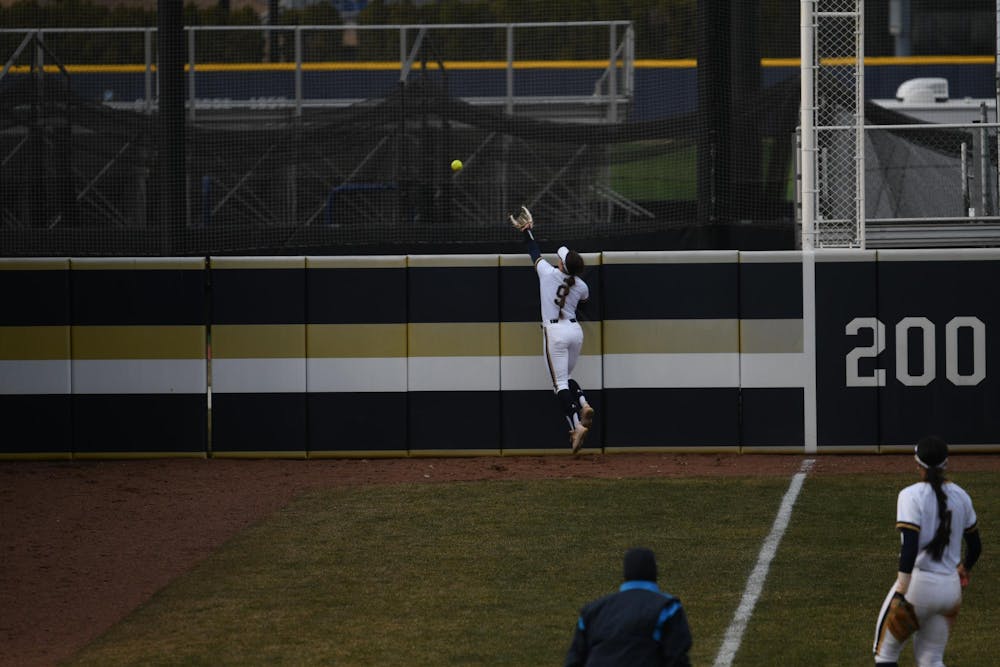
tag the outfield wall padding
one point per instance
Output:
(35, 385)
(356, 358)
(453, 354)
(671, 350)
(258, 356)
(770, 351)
(939, 309)
(441, 355)
(847, 417)
(139, 371)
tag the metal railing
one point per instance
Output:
(612, 89)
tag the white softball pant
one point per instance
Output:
(562, 341)
(936, 599)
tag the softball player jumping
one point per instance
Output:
(561, 291)
(932, 517)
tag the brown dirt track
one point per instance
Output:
(85, 542)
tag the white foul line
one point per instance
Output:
(755, 583)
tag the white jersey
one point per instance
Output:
(917, 509)
(551, 290)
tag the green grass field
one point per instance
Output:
(664, 170)
(493, 573)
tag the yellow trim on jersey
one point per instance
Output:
(903, 525)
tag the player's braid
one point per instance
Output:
(935, 477)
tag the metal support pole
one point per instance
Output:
(808, 116)
(612, 74)
(996, 108)
(148, 79)
(966, 202)
(859, 119)
(984, 161)
(192, 100)
(510, 69)
(298, 71)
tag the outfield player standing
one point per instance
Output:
(932, 517)
(561, 291)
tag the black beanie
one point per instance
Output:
(640, 565)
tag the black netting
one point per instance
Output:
(81, 177)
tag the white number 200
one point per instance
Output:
(927, 375)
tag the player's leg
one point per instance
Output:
(573, 347)
(886, 647)
(586, 410)
(934, 596)
(557, 358)
(930, 640)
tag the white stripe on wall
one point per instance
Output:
(759, 371)
(139, 376)
(649, 371)
(453, 373)
(256, 376)
(356, 374)
(521, 373)
(35, 376)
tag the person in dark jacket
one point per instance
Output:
(637, 626)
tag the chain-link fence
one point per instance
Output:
(931, 185)
(839, 101)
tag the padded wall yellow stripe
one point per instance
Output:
(770, 336)
(258, 341)
(138, 342)
(356, 340)
(24, 343)
(670, 336)
(454, 339)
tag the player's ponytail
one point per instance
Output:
(932, 455)
(935, 477)
(573, 264)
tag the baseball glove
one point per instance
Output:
(902, 618)
(523, 220)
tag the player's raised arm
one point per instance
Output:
(523, 222)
